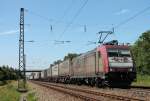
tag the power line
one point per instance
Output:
(63, 16)
(74, 17)
(62, 42)
(40, 16)
(132, 17)
(91, 43)
(47, 18)
(78, 12)
(65, 12)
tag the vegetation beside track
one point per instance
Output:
(142, 80)
(31, 93)
(8, 92)
(31, 97)
(2, 83)
(141, 53)
(8, 73)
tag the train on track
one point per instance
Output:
(110, 64)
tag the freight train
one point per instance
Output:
(109, 64)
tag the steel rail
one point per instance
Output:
(141, 87)
(112, 96)
(67, 91)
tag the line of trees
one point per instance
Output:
(141, 53)
(68, 56)
(8, 73)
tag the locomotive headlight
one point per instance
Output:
(130, 69)
(111, 69)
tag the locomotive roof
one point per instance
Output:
(116, 46)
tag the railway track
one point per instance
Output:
(136, 92)
(85, 94)
(141, 87)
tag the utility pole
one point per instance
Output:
(21, 80)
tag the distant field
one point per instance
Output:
(8, 92)
(142, 80)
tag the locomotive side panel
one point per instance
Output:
(103, 59)
(99, 64)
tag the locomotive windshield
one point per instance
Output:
(119, 53)
(119, 58)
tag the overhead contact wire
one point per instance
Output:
(74, 17)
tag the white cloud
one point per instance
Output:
(122, 11)
(11, 32)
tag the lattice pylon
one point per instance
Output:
(21, 80)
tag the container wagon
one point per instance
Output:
(55, 70)
(65, 71)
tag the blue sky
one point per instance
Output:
(97, 15)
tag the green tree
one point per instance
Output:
(8, 73)
(71, 56)
(1, 75)
(141, 53)
(57, 62)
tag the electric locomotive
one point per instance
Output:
(118, 65)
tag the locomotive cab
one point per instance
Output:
(118, 64)
(120, 59)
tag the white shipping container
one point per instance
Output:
(30, 77)
(42, 74)
(55, 70)
(64, 68)
(90, 63)
(36, 75)
(78, 68)
(49, 72)
(84, 65)
(45, 73)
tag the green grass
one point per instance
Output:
(31, 97)
(142, 80)
(2, 83)
(8, 92)
(21, 84)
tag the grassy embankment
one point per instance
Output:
(31, 97)
(31, 94)
(8, 92)
(142, 80)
